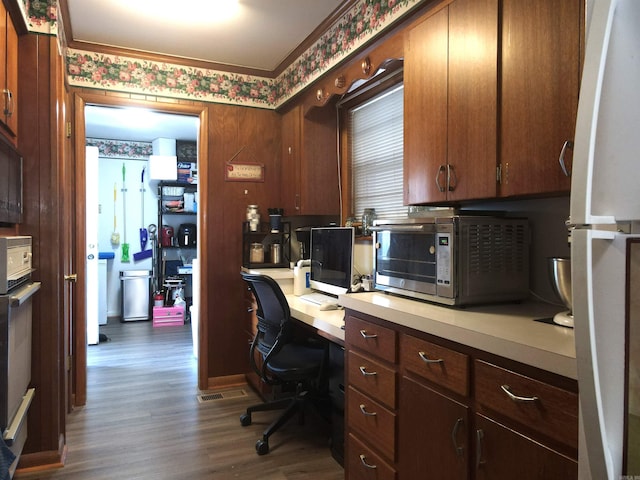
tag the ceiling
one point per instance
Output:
(257, 35)
(136, 124)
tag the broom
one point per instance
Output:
(115, 236)
(125, 245)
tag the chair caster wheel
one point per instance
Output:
(262, 447)
(245, 419)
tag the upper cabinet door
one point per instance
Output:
(473, 99)
(541, 60)
(425, 110)
(290, 171)
(451, 91)
(8, 75)
(310, 162)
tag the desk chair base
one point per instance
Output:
(292, 406)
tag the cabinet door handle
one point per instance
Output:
(451, 174)
(368, 335)
(363, 409)
(568, 144)
(8, 104)
(507, 389)
(364, 372)
(363, 459)
(426, 359)
(441, 169)
(454, 435)
(479, 438)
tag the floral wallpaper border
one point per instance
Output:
(362, 23)
(121, 148)
(41, 15)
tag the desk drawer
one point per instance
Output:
(374, 339)
(363, 464)
(372, 378)
(445, 367)
(546, 409)
(373, 421)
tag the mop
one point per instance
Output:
(144, 236)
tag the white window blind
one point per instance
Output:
(375, 132)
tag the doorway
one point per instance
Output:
(85, 128)
(124, 193)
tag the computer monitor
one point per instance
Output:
(331, 259)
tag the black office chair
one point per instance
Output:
(285, 361)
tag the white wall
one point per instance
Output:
(110, 172)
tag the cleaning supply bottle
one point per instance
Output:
(301, 273)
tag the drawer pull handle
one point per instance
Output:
(368, 335)
(364, 372)
(516, 398)
(479, 460)
(363, 459)
(363, 409)
(454, 434)
(426, 359)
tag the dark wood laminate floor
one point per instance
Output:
(143, 420)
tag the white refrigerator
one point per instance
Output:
(605, 218)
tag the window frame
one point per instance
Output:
(363, 93)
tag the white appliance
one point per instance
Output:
(605, 214)
(91, 237)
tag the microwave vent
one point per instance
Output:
(497, 248)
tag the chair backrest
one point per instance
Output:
(274, 316)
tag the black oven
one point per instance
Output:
(15, 366)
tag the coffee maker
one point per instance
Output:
(303, 235)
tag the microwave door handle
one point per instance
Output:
(397, 228)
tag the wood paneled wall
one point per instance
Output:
(257, 133)
(42, 219)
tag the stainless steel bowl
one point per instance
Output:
(560, 277)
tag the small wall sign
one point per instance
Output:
(244, 172)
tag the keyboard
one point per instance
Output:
(318, 298)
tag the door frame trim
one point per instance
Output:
(79, 344)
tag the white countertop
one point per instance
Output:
(328, 321)
(507, 330)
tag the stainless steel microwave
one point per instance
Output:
(454, 259)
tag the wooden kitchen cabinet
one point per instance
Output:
(454, 419)
(520, 425)
(487, 118)
(371, 399)
(505, 454)
(540, 78)
(433, 434)
(309, 172)
(8, 75)
(450, 108)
